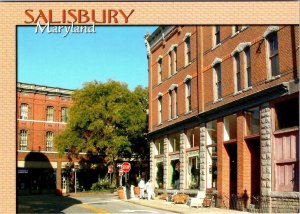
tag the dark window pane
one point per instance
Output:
(287, 114)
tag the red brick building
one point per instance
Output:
(42, 112)
(224, 112)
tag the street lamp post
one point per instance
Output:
(75, 170)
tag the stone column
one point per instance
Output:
(152, 161)
(202, 157)
(182, 159)
(166, 162)
(266, 161)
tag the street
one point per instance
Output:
(94, 203)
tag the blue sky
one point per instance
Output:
(117, 53)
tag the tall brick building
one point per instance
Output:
(224, 112)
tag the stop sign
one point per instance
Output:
(126, 167)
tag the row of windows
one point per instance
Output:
(49, 113)
(172, 58)
(172, 54)
(272, 43)
(173, 104)
(24, 140)
(273, 66)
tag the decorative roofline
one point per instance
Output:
(43, 89)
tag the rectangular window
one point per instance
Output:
(218, 81)
(248, 81)
(50, 113)
(252, 117)
(170, 105)
(230, 127)
(175, 103)
(187, 50)
(64, 114)
(236, 29)
(193, 137)
(159, 70)
(237, 72)
(217, 35)
(175, 60)
(273, 54)
(159, 110)
(188, 96)
(174, 142)
(287, 114)
(49, 141)
(193, 173)
(159, 144)
(23, 140)
(170, 64)
(211, 151)
(24, 111)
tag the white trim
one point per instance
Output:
(172, 87)
(159, 95)
(187, 78)
(41, 121)
(172, 47)
(216, 61)
(159, 58)
(270, 29)
(187, 35)
(240, 47)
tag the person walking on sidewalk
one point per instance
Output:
(149, 189)
(142, 188)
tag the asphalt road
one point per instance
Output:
(81, 204)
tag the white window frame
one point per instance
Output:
(23, 140)
(159, 108)
(237, 72)
(215, 39)
(271, 30)
(175, 59)
(24, 111)
(49, 141)
(170, 63)
(170, 105)
(159, 69)
(50, 113)
(216, 82)
(187, 49)
(175, 103)
(248, 74)
(64, 114)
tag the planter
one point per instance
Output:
(136, 190)
(121, 193)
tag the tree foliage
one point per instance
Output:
(106, 118)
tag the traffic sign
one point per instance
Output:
(126, 167)
(121, 173)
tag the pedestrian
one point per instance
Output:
(142, 188)
(149, 189)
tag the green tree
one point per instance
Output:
(108, 119)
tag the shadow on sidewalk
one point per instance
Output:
(44, 203)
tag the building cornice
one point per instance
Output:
(41, 89)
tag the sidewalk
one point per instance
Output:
(178, 208)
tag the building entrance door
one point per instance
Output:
(254, 166)
(232, 153)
